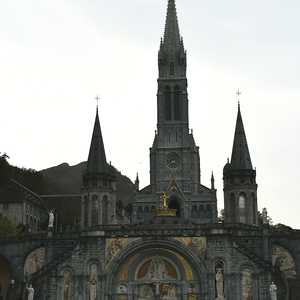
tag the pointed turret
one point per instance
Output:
(98, 201)
(97, 160)
(240, 188)
(240, 158)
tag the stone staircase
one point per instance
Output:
(258, 260)
(67, 250)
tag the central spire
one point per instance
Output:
(172, 35)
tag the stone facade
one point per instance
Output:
(171, 244)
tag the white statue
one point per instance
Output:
(51, 219)
(220, 284)
(30, 291)
(273, 291)
(93, 283)
(265, 218)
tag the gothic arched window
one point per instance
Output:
(104, 209)
(232, 207)
(177, 106)
(172, 68)
(95, 210)
(168, 104)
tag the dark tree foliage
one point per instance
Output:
(7, 227)
(30, 178)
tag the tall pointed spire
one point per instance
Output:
(240, 158)
(172, 35)
(97, 160)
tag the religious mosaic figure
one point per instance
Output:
(157, 270)
(283, 261)
(113, 247)
(34, 261)
(67, 280)
(220, 284)
(198, 244)
(247, 285)
(93, 283)
(146, 292)
(168, 292)
(30, 291)
(273, 291)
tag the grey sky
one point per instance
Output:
(55, 56)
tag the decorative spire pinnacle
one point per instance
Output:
(240, 158)
(212, 181)
(172, 36)
(137, 182)
(97, 160)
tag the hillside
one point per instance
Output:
(66, 179)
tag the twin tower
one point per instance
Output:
(174, 159)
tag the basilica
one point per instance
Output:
(171, 244)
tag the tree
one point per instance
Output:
(7, 227)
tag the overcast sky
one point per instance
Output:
(57, 55)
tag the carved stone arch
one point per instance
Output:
(127, 254)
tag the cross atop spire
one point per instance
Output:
(97, 99)
(172, 34)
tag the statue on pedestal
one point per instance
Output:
(220, 284)
(273, 291)
(30, 291)
(265, 218)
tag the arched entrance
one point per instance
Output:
(285, 271)
(155, 273)
(5, 276)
